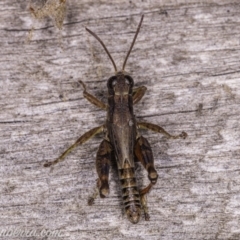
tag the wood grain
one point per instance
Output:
(189, 61)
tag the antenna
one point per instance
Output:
(134, 39)
(105, 48)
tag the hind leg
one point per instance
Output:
(104, 155)
(143, 153)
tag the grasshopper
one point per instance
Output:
(122, 141)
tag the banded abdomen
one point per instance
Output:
(130, 193)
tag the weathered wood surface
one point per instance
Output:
(189, 61)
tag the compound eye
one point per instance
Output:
(111, 82)
(114, 82)
(129, 80)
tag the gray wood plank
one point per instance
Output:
(189, 61)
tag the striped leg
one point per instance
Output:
(103, 158)
(143, 153)
(104, 155)
(143, 199)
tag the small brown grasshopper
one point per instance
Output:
(122, 142)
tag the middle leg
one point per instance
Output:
(156, 128)
(84, 138)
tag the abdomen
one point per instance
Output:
(130, 193)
